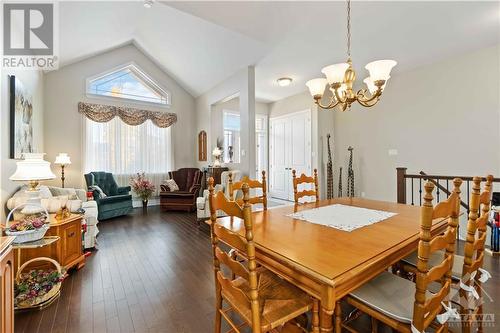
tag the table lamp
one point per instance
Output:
(32, 170)
(62, 159)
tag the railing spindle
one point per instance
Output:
(412, 202)
(447, 189)
(437, 192)
(420, 192)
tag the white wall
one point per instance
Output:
(243, 84)
(64, 125)
(443, 118)
(33, 81)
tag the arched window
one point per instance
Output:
(130, 83)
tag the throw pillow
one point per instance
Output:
(99, 190)
(59, 191)
(172, 185)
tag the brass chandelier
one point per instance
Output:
(340, 80)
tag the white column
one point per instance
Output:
(247, 126)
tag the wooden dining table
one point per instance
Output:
(328, 263)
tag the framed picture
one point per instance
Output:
(21, 119)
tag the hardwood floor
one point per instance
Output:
(152, 273)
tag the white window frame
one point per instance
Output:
(142, 75)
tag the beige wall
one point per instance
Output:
(33, 81)
(66, 87)
(443, 118)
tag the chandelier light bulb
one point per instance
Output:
(380, 69)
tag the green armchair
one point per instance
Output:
(117, 201)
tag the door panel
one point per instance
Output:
(71, 242)
(279, 186)
(291, 148)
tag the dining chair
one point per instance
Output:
(303, 179)
(467, 272)
(262, 299)
(406, 306)
(253, 184)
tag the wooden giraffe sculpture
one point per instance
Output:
(340, 183)
(329, 171)
(350, 175)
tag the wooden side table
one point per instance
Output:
(6, 285)
(67, 250)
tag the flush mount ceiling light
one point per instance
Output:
(284, 81)
(148, 3)
(340, 80)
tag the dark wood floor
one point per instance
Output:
(152, 273)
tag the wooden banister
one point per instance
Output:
(442, 188)
(402, 176)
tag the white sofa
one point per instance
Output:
(202, 207)
(51, 201)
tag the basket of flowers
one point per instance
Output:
(37, 286)
(27, 228)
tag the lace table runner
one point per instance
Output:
(342, 217)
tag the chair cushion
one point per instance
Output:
(279, 300)
(436, 258)
(200, 203)
(115, 198)
(390, 295)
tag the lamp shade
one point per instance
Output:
(371, 84)
(316, 86)
(380, 69)
(62, 159)
(32, 168)
(335, 73)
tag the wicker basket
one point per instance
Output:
(27, 235)
(52, 293)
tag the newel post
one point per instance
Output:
(401, 184)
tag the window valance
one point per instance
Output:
(103, 113)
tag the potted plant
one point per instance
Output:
(143, 187)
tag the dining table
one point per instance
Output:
(325, 262)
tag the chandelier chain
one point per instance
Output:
(349, 28)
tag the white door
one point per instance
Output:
(290, 148)
(279, 177)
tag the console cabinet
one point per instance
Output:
(67, 250)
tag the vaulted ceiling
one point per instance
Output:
(202, 43)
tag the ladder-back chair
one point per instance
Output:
(253, 184)
(473, 273)
(410, 307)
(303, 179)
(264, 301)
